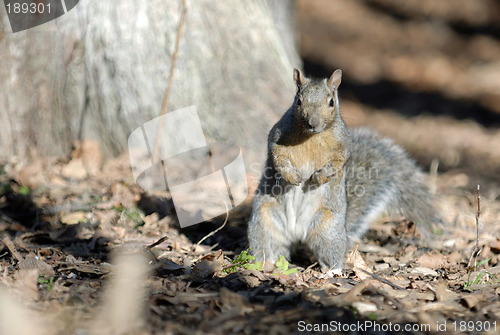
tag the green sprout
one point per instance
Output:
(49, 282)
(479, 276)
(282, 266)
(243, 261)
(134, 214)
(23, 190)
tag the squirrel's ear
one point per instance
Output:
(335, 79)
(299, 78)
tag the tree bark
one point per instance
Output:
(101, 70)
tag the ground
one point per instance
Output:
(79, 256)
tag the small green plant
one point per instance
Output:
(483, 262)
(354, 312)
(243, 261)
(134, 214)
(49, 282)
(246, 261)
(437, 230)
(479, 276)
(475, 281)
(23, 190)
(282, 266)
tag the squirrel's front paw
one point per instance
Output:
(288, 172)
(319, 177)
(324, 175)
(291, 176)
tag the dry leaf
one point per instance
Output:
(170, 265)
(408, 254)
(231, 301)
(358, 263)
(74, 218)
(32, 262)
(209, 265)
(381, 266)
(471, 300)
(26, 283)
(256, 273)
(424, 271)
(495, 246)
(432, 260)
(443, 293)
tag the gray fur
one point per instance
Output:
(373, 175)
(382, 177)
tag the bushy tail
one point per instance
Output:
(381, 177)
(415, 202)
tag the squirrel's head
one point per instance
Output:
(316, 102)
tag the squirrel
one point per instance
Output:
(323, 183)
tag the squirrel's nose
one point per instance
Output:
(314, 120)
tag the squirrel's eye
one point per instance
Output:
(299, 102)
(331, 103)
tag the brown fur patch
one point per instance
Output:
(317, 150)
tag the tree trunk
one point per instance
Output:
(101, 70)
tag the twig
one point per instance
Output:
(169, 85)
(12, 248)
(476, 251)
(383, 280)
(216, 230)
(233, 264)
(160, 241)
(478, 213)
(396, 302)
(311, 266)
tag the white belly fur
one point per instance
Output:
(299, 207)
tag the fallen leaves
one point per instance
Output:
(64, 266)
(358, 265)
(209, 265)
(74, 218)
(433, 260)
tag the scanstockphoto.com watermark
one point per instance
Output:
(355, 181)
(170, 152)
(374, 326)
